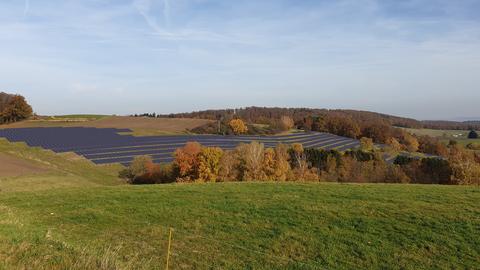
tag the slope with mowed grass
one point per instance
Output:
(243, 226)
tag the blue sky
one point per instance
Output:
(412, 58)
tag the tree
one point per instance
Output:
(16, 109)
(238, 126)
(394, 145)
(209, 164)
(269, 164)
(282, 164)
(465, 168)
(342, 126)
(298, 154)
(366, 144)
(410, 142)
(286, 123)
(186, 160)
(251, 156)
(473, 134)
(229, 167)
(378, 131)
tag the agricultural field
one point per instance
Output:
(461, 136)
(106, 145)
(138, 126)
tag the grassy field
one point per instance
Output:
(446, 135)
(141, 126)
(76, 215)
(243, 226)
(81, 116)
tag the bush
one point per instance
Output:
(473, 146)
(144, 171)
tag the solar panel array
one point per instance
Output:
(104, 146)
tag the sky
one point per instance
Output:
(411, 58)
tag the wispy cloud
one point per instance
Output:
(143, 7)
(334, 52)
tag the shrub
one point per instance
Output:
(473, 146)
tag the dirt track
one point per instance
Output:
(12, 166)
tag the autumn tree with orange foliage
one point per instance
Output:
(186, 161)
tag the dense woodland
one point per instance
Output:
(254, 162)
(13, 108)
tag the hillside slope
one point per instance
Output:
(25, 168)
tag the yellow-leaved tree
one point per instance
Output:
(209, 164)
(238, 126)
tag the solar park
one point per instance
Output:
(106, 145)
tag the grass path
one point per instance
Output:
(243, 226)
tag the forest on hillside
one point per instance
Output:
(309, 115)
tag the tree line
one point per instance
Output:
(13, 108)
(255, 162)
(265, 115)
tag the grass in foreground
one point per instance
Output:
(243, 226)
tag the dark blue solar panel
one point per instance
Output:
(103, 146)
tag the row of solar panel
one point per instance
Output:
(103, 146)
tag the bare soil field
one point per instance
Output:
(139, 125)
(11, 166)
